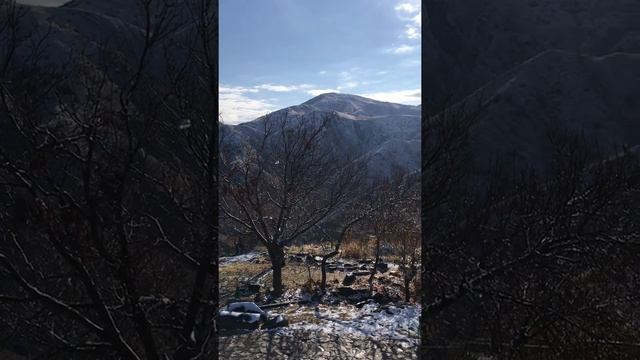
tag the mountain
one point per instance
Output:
(469, 43)
(528, 67)
(386, 134)
(595, 97)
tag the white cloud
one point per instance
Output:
(276, 88)
(417, 19)
(411, 13)
(282, 88)
(412, 32)
(402, 49)
(407, 8)
(348, 85)
(409, 97)
(322, 72)
(236, 107)
(235, 89)
(316, 92)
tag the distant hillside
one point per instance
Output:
(592, 96)
(386, 134)
(469, 43)
(535, 64)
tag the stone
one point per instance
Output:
(363, 303)
(248, 289)
(241, 316)
(382, 267)
(231, 320)
(349, 279)
(276, 322)
(247, 307)
(381, 298)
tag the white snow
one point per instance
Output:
(225, 260)
(246, 317)
(247, 307)
(391, 322)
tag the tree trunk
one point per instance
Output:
(323, 281)
(276, 255)
(409, 274)
(375, 264)
(277, 278)
(407, 291)
(323, 268)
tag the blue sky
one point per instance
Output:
(278, 53)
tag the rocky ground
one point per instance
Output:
(333, 332)
(338, 327)
(311, 344)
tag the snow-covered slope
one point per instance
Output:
(592, 96)
(468, 43)
(386, 134)
(534, 65)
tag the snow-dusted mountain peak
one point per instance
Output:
(358, 105)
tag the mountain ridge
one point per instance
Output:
(386, 134)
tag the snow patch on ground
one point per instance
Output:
(399, 322)
(247, 307)
(225, 260)
(244, 316)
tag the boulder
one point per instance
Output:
(248, 289)
(276, 322)
(381, 299)
(349, 279)
(386, 249)
(363, 303)
(246, 307)
(247, 316)
(361, 273)
(232, 320)
(382, 267)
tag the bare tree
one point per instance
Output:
(99, 216)
(286, 183)
(522, 265)
(359, 211)
(395, 205)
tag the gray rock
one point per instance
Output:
(349, 279)
(275, 322)
(241, 316)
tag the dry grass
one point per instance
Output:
(358, 248)
(294, 276)
(312, 249)
(232, 275)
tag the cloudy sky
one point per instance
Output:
(278, 53)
